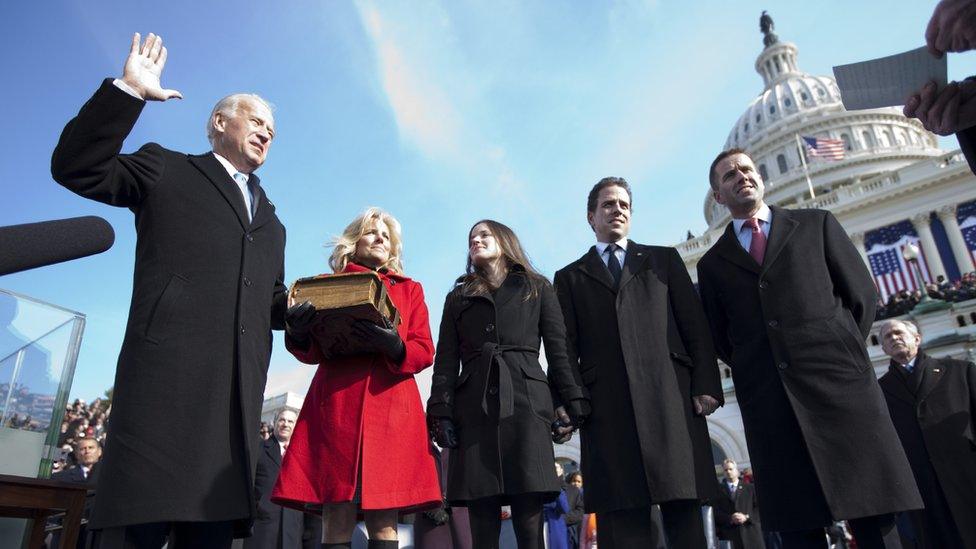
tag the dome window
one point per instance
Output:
(788, 102)
(781, 162)
(868, 139)
(747, 127)
(758, 117)
(763, 172)
(821, 92)
(772, 109)
(804, 96)
(847, 142)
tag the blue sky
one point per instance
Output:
(442, 112)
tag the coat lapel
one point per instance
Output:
(633, 262)
(729, 248)
(210, 167)
(592, 265)
(931, 374)
(780, 232)
(264, 209)
(893, 384)
(273, 448)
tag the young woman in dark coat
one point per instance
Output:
(497, 409)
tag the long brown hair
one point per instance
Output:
(474, 280)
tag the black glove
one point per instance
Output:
(438, 516)
(384, 340)
(299, 320)
(578, 409)
(563, 426)
(442, 431)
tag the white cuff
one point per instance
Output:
(118, 83)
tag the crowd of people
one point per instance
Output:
(904, 301)
(82, 421)
(784, 299)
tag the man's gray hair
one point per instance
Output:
(283, 410)
(228, 106)
(908, 324)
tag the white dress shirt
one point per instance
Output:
(765, 217)
(621, 252)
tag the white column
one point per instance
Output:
(923, 227)
(858, 240)
(947, 215)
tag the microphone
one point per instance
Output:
(33, 245)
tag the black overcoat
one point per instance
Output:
(500, 399)
(276, 526)
(206, 292)
(967, 143)
(641, 351)
(792, 330)
(935, 424)
(743, 536)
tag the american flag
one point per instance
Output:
(886, 247)
(825, 148)
(968, 227)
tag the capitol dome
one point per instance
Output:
(793, 105)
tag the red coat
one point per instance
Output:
(365, 410)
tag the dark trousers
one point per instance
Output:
(179, 535)
(485, 519)
(876, 532)
(682, 525)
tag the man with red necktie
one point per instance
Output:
(790, 302)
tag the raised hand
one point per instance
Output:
(952, 27)
(143, 67)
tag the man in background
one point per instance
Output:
(932, 402)
(276, 527)
(737, 511)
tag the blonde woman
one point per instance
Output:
(361, 444)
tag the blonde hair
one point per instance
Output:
(344, 246)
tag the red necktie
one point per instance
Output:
(757, 248)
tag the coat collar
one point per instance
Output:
(894, 384)
(513, 285)
(592, 265)
(927, 367)
(382, 273)
(273, 448)
(780, 231)
(218, 177)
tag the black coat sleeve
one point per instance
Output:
(553, 330)
(967, 142)
(693, 328)
(447, 364)
(564, 296)
(852, 281)
(87, 160)
(279, 301)
(717, 320)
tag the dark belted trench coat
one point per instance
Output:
(500, 398)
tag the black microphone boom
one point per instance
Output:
(33, 245)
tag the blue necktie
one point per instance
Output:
(241, 180)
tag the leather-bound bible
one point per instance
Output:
(340, 300)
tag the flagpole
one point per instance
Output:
(806, 171)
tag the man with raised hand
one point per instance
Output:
(207, 289)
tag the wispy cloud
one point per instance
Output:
(437, 99)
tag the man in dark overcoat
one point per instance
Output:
(277, 527)
(932, 402)
(737, 511)
(790, 302)
(206, 293)
(638, 339)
